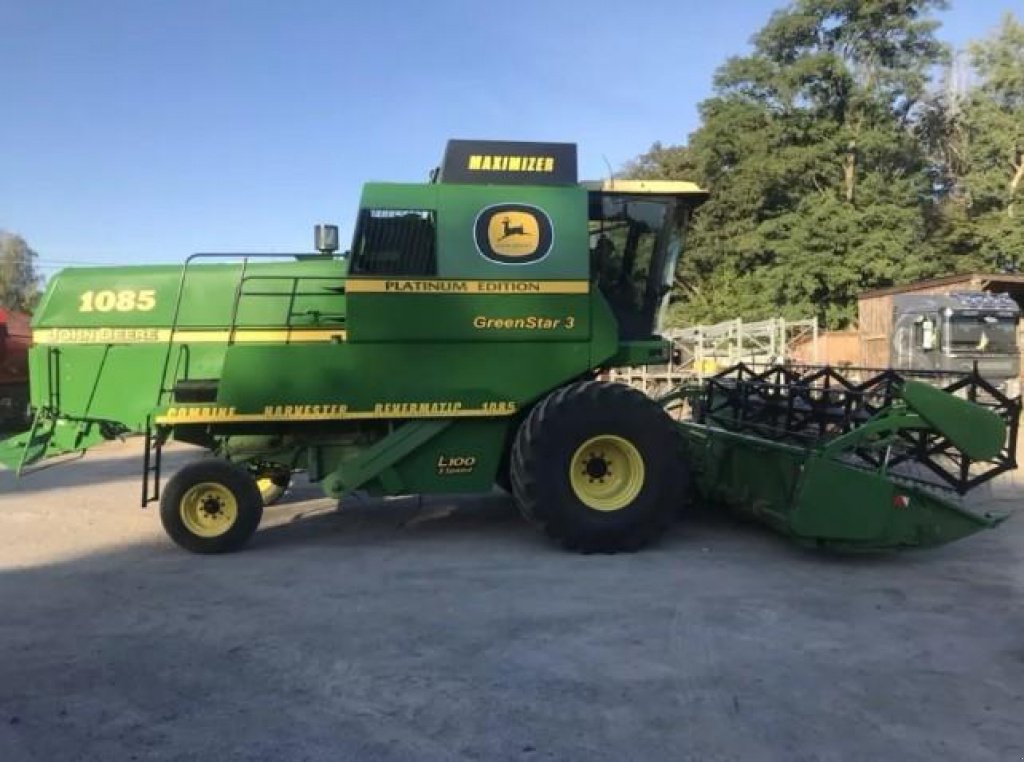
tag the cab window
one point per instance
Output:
(395, 242)
(634, 247)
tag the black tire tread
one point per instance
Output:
(235, 478)
(545, 418)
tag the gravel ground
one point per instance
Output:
(401, 630)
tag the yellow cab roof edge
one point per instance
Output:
(646, 187)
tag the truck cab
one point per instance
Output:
(954, 333)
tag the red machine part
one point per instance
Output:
(15, 338)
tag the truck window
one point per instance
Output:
(395, 242)
(982, 333)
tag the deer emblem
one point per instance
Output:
(508, 230)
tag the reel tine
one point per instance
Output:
(813, 405)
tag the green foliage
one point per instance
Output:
(977, 143)
(660, 162)
(834, 168)
(19, 282)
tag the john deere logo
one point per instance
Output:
(513, 234)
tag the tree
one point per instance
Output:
(19, 282)
(660, 162)
(975, 136)
(999, 62)
(819, 187)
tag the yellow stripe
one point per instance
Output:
(165, 335)
(197, 416)
(474, 287)
(653, 187)
(293, 335)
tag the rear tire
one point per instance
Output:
(211, 506)
(596, 465)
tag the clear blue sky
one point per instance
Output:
(138, 131)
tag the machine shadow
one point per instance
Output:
(95, 468)
(356, 520)
(306, 518)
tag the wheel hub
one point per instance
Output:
(606, 472)
(208, 509)
(211, 505)
(596, 467)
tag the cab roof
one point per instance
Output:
(647, 187)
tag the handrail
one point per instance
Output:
(293, 293)
(244, 256)
(237, 301)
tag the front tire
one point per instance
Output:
(211, 506)
(597, 466)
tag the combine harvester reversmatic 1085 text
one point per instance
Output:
(460, 343)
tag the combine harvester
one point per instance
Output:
(457, 345)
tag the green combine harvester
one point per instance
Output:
(461, 343)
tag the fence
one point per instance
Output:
(703, 350)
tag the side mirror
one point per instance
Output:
(325, 239)
(928, 335)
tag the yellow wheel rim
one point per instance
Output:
(208, 509)
(606, 473)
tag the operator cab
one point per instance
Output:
(636, 234)
(499, 211)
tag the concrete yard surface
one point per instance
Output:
(448, 629)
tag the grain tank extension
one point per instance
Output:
(458, 344)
